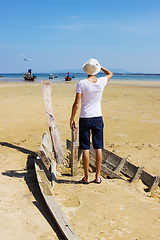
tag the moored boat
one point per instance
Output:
(68, 78)
(28, 76)
(51, 76)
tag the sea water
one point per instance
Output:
(18, 77)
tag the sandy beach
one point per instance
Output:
(114, 209)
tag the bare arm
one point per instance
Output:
(107, 72)
(74, 110)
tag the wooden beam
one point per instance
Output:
(147, 179)
(137, 174)
(119, 167)
(46, 155)
(105, 170)
(155, 183)
(44, 158)
(43, 166)
(53, 172)
(46, 89)
(74, 151)
(53, 206)
(68, 145)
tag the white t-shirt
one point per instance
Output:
(91, 97)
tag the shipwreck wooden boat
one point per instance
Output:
(114, 166)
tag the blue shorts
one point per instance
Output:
(95, 126)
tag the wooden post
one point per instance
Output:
(74, 152)
(46, 89)
(53, 171)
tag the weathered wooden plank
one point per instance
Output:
(114, 160)
(46, 155)
(147, 179)
(44, 158)
(68, 145)
(137, 174)
(119, 167)
(46, 89)
(46, 144)
(129, 170)
(53, 171)
(44, 183)
(155, 183)
(105, 170)
(74, 152)
(46, 148)
(43, 166)
(53, 206)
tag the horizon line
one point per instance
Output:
(119, 73)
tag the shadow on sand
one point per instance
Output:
(29, 176)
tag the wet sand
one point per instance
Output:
(115, 209)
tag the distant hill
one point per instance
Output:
(69, 70)
(118, 70)
(114, 70)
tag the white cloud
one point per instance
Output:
(22, 55)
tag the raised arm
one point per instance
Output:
(107, 72)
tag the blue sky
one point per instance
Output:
(64, 34)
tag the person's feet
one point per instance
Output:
(84, 181)
(98, 179)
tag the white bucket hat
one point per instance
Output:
(92, 67)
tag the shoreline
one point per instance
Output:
(112, 81)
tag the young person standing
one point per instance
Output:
(89, 92)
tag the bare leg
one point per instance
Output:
(98, 164)
(85, 159)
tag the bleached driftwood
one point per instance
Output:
(46, 89)
(46, 155)
(74, 151)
